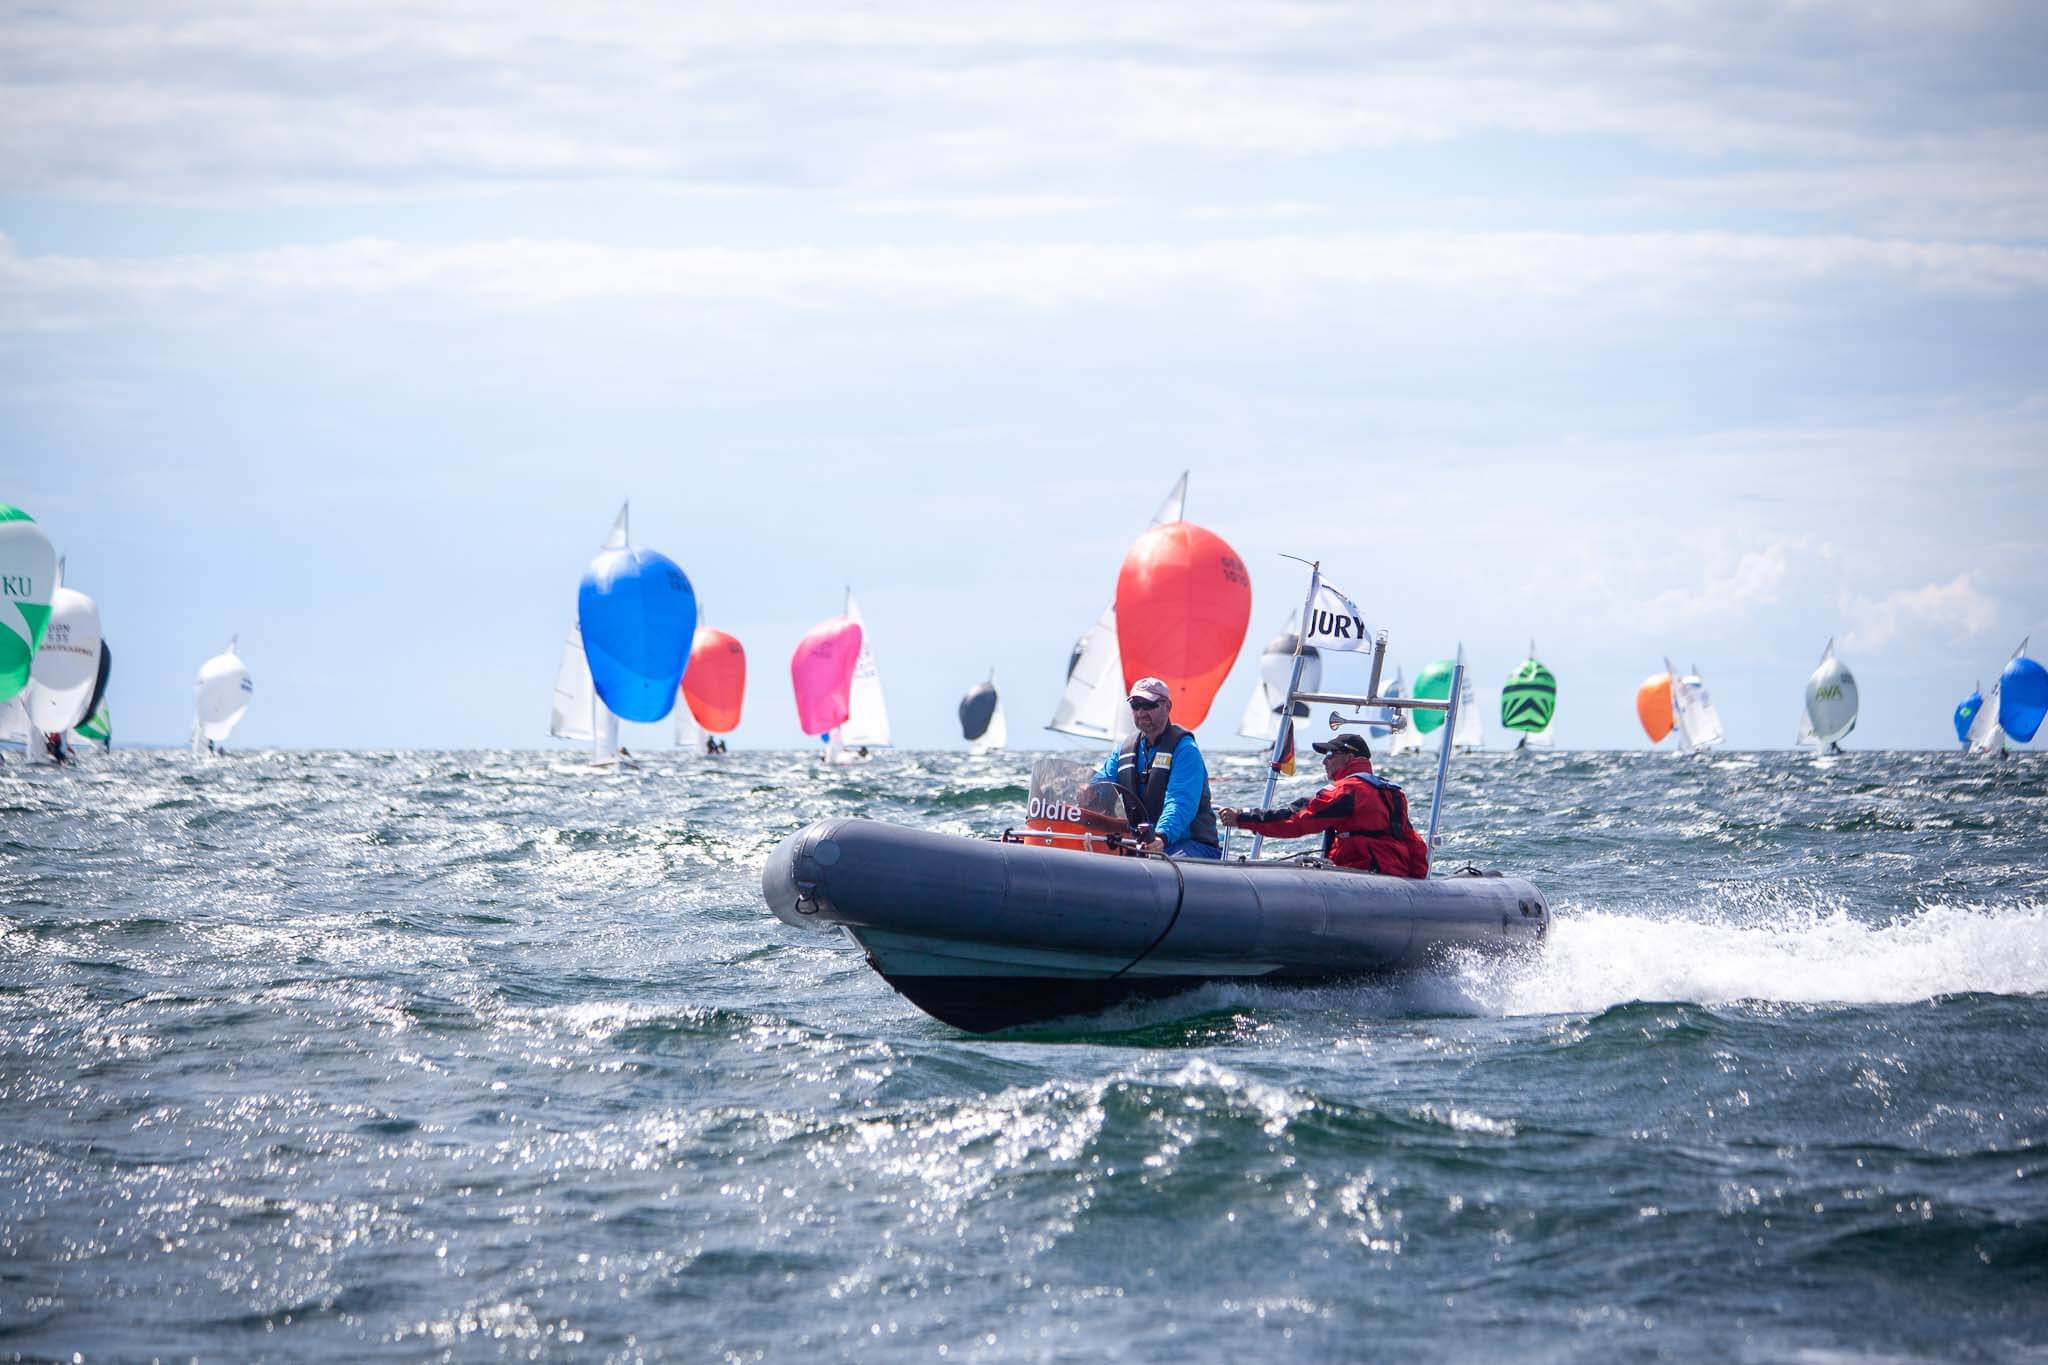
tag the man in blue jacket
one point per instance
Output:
(1161, 769)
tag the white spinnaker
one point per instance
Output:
(1092, 706)
(67, 664)
(1831, 700)
(1699, 724)
(867, 714)
(1471, 725)
(220, 695)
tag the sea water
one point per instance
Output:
(318, 1055)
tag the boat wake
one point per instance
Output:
(1595, 960)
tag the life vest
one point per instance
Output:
(1394, 848)
(1148, 788)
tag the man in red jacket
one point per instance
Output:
(1363, 819)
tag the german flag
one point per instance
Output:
(1284, 765)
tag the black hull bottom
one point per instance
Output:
(984, 1004)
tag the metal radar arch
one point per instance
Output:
(1372, 698)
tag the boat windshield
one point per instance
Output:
(1068, 795)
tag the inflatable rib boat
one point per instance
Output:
(986, 934)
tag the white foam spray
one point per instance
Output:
(1596, 959)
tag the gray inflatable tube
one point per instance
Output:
(987, 935)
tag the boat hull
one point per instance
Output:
(987, 935)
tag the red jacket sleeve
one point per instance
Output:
(1334, 807)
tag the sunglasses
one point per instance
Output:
(1137, 705)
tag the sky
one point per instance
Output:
(1638, 330)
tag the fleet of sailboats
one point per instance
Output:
(55, 665)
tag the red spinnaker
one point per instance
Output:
(715, 682)
(1183, 600)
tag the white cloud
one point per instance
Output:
(1710, 273)
(1957, 609)
(1753, 581)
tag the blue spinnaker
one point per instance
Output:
(2022, 698)
(1966, 712)
(638, 614)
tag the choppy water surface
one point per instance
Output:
(303, 1054)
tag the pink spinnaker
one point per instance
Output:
(821, 670)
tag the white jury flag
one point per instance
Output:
(1334, 623)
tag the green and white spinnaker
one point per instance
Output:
(28, 576)
(1528, 700)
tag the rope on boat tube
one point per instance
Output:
(1179, 898)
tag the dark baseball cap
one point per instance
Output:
(1343, 744)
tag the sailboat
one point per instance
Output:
(1698, 723)
(1528, 703)
(1261, 719)
(1966, 714)
(2013, 709)
(981, 718)
(97, 727)
(1831, 704)
(62, 677)
(1404, 738)
(1434, 683)
(28, 575)
(1092, 705)
(577, 712)
(220, 694)
(867, 714)
(714, 689)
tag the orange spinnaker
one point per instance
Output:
(715, 681)
(1183, 600)
(1653, 706)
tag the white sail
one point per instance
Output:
(577, 712)
(1699, 724)
(689, 734)
(998, 734)
(1092, 704)
(1471, 725)
(867, 714)
(13, 722)
(1987, 736)
(67, 664)
(1261, 719)
(570, 715)
(1095, 683)
(1407, 739)
(1831, 702)
(220, 695)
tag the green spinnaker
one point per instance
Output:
(1433, 684)
(1529, 699)
(28, 568)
